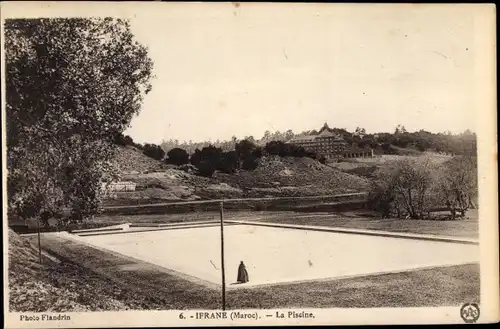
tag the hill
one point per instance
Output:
(289, 176)
(274, 176)
(130, 159)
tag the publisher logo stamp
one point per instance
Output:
(469, 312)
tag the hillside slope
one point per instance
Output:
(30, 288)
(60, 286)
(131, 160)
(275, 176)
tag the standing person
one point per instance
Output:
(242, 273)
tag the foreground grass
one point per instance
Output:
(447, 286)
(100, 280)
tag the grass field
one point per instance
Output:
(459, 228)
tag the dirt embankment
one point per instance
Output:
(30, 286)
(61, 286)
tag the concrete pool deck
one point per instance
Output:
(272, 264)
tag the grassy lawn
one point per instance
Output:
(459, 228)
(122, 284)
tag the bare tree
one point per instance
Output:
(402, 189)
(457, 185)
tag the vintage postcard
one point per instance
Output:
(248, 164)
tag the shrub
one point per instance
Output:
(178, 156)
(244, 148)
(229, 162)
(153, 151)
(257, 153)
(206, 168)
(196, 158)
(250, 163)
(122, 140)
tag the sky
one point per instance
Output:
(226, 69)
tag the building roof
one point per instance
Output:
(325, 131)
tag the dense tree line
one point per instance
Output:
(385, 143)
(245, 156)
(397, 142)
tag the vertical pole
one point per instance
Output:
(39, 243)
(222, 256)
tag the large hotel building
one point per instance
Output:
(330, 145)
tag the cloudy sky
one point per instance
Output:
(224, 70)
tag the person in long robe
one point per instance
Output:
(242, 273)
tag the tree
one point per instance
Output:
(195, 158)
(154, 151)
(177, 156)
(229, 162)
(250, 163)
(267, 136)
(72, 85)
(360, 132)
(244, 150)
(275, 148)
(400, 129)
(289, 135)
(457, 185)
(206, 168)
(257, 153)
(403, 188)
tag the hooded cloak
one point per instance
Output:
(242, 273)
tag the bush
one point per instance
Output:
(122, 140)
(403, 188)
(288, 150)
(244, 148)
(257, 153)
(206, 168)
(229, 162)
(250, 163)
(153, 151)
(275, 148)
(178, 156)
(196, 158)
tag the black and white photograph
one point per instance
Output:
(193, 164)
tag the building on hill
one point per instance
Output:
(119, 187)
(330, 145)
(358, 152)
